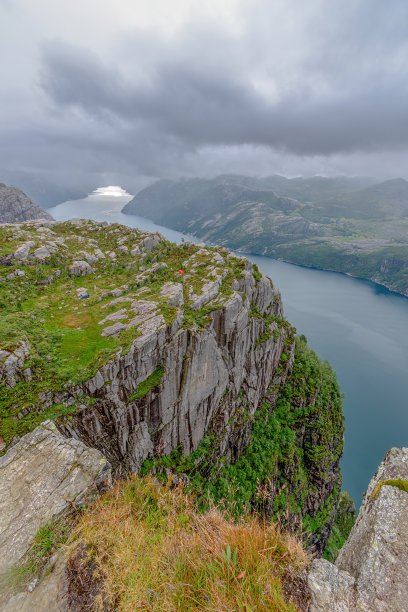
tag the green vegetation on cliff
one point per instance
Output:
(148, 384)
(345, 518)
(60, 340)
(296, 443)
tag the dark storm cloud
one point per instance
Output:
(304, 82)
(222, 108)
(351, 94)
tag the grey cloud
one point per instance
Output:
(296, 87)
(224, 108)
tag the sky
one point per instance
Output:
(123, 92)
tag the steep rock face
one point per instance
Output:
(204, 371)
(370, 572)
(15, 206)
(289, 467)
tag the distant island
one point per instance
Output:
(357, 226)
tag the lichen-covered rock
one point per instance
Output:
(23, 251)
(42, 477)
(50, 594)
(12, 363)
(150, 242)
(172, 293)
(113, 330)
(80, 268)
(42, 253)
(332, 589)
(372, 567)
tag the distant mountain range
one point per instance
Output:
(16, 206)
(353, 225)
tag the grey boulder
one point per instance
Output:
(80, 268)
(371, 571)
(42, 477)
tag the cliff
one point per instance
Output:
(15, 206)
(173, 360)
(145, 350)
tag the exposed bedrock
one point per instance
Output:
(42, 477)
(203, 373)
(371, 570)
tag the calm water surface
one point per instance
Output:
(356, 325)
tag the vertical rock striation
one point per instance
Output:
(153, 352)
(204, 371)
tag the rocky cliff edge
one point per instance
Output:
(370, 572)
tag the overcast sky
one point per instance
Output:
(151, 88)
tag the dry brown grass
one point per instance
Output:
(154, 552)
(74, 319)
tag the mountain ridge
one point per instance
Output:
(363, 232)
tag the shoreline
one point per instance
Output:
(293, 263)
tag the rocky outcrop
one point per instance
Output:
(12, 364)
(50, 593)
(371, 570)
(42, 477)
(15, 206)
(204, 372)
(80, 268)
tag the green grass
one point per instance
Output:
(152, 381)
(399, 483)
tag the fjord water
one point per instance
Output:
(359, 327)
